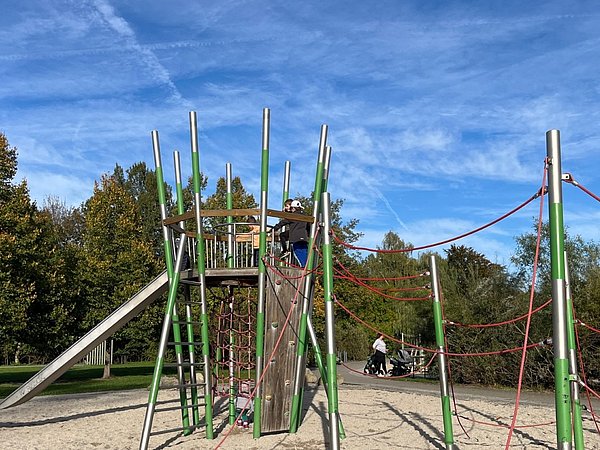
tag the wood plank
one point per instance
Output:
(278, 382)
(237, 213)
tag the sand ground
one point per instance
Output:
(373, 418)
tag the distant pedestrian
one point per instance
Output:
(380, 352)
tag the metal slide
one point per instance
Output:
(83, 346)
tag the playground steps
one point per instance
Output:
(182, 349)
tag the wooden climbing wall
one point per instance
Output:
(283, 291)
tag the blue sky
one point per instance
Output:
(437, 111)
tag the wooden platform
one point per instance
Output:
(247, 277)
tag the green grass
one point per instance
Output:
(82, 378)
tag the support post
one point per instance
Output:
(332, 391)
(301, 347)
(188, 306)
(321, 366)
(201, 266)
(260, 310)
(573, 371)
(559, 304)
(231, 263)
(286, 183)
(441, 356)
(173, 276)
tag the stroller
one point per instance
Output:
(371, 365)
(401, 363)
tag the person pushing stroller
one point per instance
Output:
(379, 356)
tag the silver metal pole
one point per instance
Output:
(334, 432)
(188, 306)
(559, 308)
(202, 280)
(306, 303)
(573, 367)
(231, 257)
(286, 181)
(444, 390)
(260, 309)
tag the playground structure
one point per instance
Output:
(283, 304)
(278, 316)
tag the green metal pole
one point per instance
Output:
(313, 336)
(260, 310)
(201, 265)
(301, 347)
(173, 275)
(574, 373)
(559, 304)
(441, 348)
(321, 366)
(332, 387)
(188, 307)
(231, 258)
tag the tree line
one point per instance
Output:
(63, 269)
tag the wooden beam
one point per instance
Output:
(237, 213)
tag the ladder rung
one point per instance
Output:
(183, 364)
(189, 385)
(192, 282)
(185, 322)
(189, 302)
(184, 343)
(175, 408)
(174, 430)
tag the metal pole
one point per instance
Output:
(321, 366)
(332, 388)
(301, 348)
(173, 281)
(559, 309)
(573, 372)
(162, 347)
(286, 183)
(326, 163)
(231, 259)
(441, 357)
(201, 265)
(230, 236)
(188, 307)
(260, 310)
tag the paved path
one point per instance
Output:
(462, 392)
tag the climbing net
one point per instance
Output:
(235, 349)
(523, 321)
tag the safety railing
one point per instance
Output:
(244, 251)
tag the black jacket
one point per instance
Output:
(298, 230)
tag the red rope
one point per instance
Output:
(408, 277)
(570, 180)
(431, 350)
(375, 290)
(583, 374)
(446, 241)
(391, 377)
(531, 297)
(595, 330)
(488, 325)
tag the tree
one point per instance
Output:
(394, 316)
(118, 261)
(27, 311)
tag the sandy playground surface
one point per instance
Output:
(373, 419)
